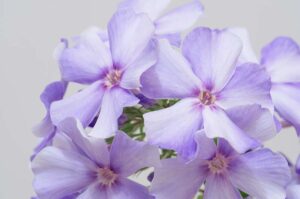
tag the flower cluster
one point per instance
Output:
(198, 110)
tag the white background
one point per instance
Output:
(30, 30)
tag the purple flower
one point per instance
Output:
(214, 93)
(110, 72)
(77, 164)
(260, 173)
(281, 58)
(169, 25)
(46, 129)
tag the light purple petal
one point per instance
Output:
(95, 149)
(298, 166)
(132, 74)
(53, 92)
(219, 187)
(286, 98)
(83, 105)
(174, 39)
(127, 189)
(213, 55)
(226, 129)
(255, 121)
(249, 85)
(59, 173)
(46, 141)
(88, 60)
(247, 54)
(114, 100)
(170, 77)
(128, 156)
(261, 173)
(206, 147)
(176, 179)
(94, 191)
(282, 60)
(152, 8)
(174, 127)
(179, 19)
(293, 192)
(128, 43)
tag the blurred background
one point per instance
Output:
(31, 29)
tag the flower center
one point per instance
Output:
(218, 164)
(113, 78)
(106, 176)
(207, 98)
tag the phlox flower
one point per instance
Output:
(111, 71)
(215, 94)
(78, 166)
(260, 173)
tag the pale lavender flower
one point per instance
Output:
(46, 129)
(281, 58)
(260, 173)
(78, 164)
(171, 24)
(213, 92)
(110, 71)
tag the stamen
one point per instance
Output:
(113, 78)
(207, 98)
(218, 164)
(106, 176)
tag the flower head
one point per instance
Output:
(214, 94)
(85, 166)
(111, 71)
(260, 173)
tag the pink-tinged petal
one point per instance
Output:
(127, 44)
(127, 189)
(177, 179)
(170, 77)
(83, 105)
(247, 54)
(249, 85)
(87, 60)
(226, 129)
(220, 187)
(152, 8)
(261, 174)
(59, 173)
(255, 121)
(286, 99)
(128, 156)
(96, 149)
(114, 100)
(179, 19)
(175, 127)
(132, 74)
(213, 55)
(282, 60)
(293, 192)
(206, 147)
(53, 92)
(94, 191)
